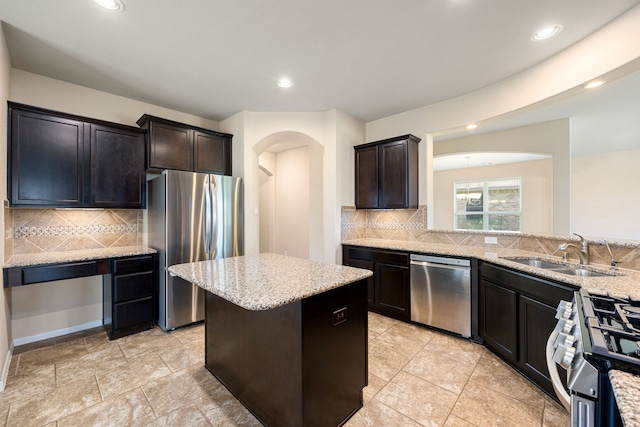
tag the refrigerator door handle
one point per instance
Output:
(213, 226)
(206, 219)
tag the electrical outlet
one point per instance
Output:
(339, 316)
(491, 240)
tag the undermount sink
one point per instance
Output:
(533, 262)
(582, 272)
(558, 267)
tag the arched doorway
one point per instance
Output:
(290, 205)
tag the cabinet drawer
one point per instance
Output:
(132, 313)
(366, 254)
(133, 265)
(132, 286)
(58, 272)
(541, 289)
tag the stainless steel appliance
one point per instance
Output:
(441, 293)
(192, 217)
(594, 334)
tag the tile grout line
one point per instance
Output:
(462, 391)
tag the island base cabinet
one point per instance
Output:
(302, 364)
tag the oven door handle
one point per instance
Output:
(555, 376)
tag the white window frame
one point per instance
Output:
(485, 208)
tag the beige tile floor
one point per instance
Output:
(417, 377)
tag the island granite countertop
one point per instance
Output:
(626, 388)
(265, 281)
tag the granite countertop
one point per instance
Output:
(626, 388)
(625, 283)
(266, 281)
(31, 260)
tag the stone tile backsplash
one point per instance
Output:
(411, 225)
(51, 230)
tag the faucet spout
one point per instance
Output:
(582, 250)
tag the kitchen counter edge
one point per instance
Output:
(40, 259)
(626, 283)
(266, 281)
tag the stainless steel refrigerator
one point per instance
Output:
(192, 217)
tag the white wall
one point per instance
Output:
(604, 195)
(34, 89)
(341, 192)
(292, 207)
(321, 133)
(33, 315)
(5, 310)
(267, 201)
(586, 60)
(537, 189)
(552, 137)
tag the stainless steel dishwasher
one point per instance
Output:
(441, 293)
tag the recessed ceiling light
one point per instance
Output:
(594, 84)
(471, 126)
(113, 5)
(546, 32)
(285, 83)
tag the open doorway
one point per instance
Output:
(290, 205)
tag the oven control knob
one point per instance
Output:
(558, 355)
(564, 355)
(565, 325)
(568, 358)
(569, 340)
(564, 310)
(566, 340)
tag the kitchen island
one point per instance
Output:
(286, 336)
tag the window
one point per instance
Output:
(494, 204)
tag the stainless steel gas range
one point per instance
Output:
(594, 334)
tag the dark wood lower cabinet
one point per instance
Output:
(294, 365)
(388, 288)
(537, 320)
(129, 294)
(392, 290)
(517, 315)
(499, 319)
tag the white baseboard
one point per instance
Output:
(5, 369)
(56, 333)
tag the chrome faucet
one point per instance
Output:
(583, 249)
(614, 263)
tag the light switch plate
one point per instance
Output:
(491, 240)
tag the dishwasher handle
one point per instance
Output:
(436, 265)
(439, 260)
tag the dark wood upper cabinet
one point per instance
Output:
(367, 177)
(46, 159)
(178, 146)
(62, 160)
(387, 173)
(169, 146)
(118, 177)
(211, 153)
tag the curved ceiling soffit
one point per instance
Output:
(590, 58)
(294, 138)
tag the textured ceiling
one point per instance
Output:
(369, 58)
